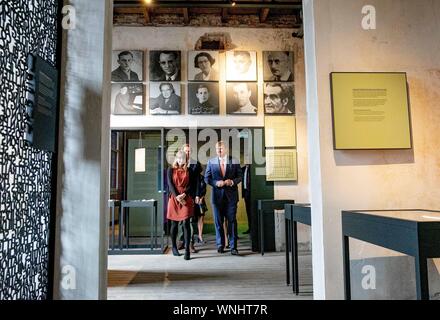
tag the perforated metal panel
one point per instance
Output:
(25, 173)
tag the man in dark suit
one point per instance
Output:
(223, 174)
(246, 193)
(124, 73)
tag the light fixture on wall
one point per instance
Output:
(139, 157)
(232, 2)
(148, 2)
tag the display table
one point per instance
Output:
(267, 207)
(151, 207)
(294, 213)
(413, 232)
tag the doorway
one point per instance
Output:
(155, 149)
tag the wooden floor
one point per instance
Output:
(207, 276)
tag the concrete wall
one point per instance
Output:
(185, 38)
(81, 244)
(406, 39)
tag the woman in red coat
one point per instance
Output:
(180, 204)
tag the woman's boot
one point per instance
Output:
(187, 253)
(176, 252)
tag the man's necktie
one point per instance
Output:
(222, 166)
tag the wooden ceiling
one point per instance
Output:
(267, 11)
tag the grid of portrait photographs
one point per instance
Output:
(241, 88)
(127, 94)
(278, 89)
(203, 92)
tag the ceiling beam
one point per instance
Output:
(147, 16)
(224, 14)
(263, 14)
(185, 15)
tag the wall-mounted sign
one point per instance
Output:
(370, 111)
(280, 131)
(41, 104)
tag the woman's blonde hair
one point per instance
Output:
(180, 155)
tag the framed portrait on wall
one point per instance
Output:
(279, 98)
(278, 66)
(165, 65)
(127, 98)
(165, 98)
(241, 65)
(127, 66)
(203, 98)
(242, 98)
(203, 66)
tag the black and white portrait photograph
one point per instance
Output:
(165, 98)
(127, 66)
(203, 66)
(242, 98)
(241, 65)
(127, 98)
(279, 98)
(278, 65)
(203, 98)
(165, 65)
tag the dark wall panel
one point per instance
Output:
(25, 173)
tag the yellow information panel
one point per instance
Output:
(280, 131)
(281, 165)
(370, 111)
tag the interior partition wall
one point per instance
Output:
(26, 174)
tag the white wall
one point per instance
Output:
(257, 39)
(406, 39)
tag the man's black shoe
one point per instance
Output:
(234, 252)
(220, 250)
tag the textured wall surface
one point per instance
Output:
(25, 173)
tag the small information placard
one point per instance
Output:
(41, 104)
